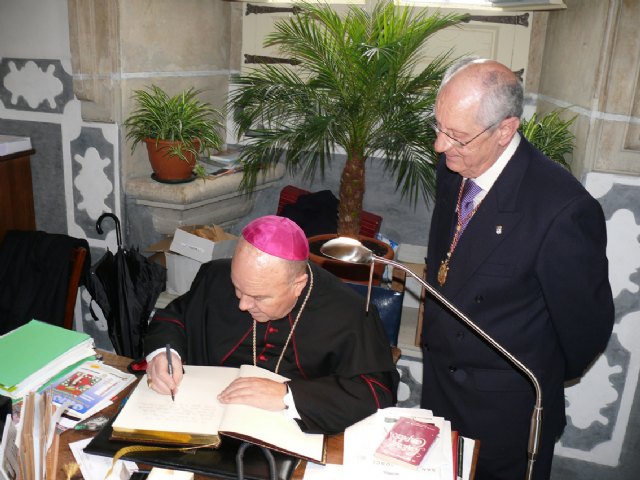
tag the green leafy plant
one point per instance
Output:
(551, 135)
(356, 85)
(182, 117)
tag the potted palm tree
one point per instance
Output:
(177, 130)
(355, 86)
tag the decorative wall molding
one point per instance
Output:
(597, 425)
(34, 85)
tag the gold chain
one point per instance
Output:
(293, 327)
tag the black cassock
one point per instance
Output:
(338, 359)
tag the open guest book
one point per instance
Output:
(197, 418)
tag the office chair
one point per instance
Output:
(40, 274)
(388, 300)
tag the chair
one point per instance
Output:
(40, 274)
(369, 222)
(388, 300)
(76, 261)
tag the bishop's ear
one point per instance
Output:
(300, 282)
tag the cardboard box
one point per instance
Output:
(184, 253)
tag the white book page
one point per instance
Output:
(196, 409)
(274, 428)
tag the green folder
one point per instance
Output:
(31, 347)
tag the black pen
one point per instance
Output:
(170, 367)
(460, 472)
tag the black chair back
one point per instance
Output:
(389, 305)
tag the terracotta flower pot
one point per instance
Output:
(350, 272)
(169, 168)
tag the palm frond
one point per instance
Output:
(356, 85)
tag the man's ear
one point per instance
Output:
(507, 129)
(299, 283)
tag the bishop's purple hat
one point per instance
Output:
(277, 236)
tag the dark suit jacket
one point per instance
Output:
(530, 269)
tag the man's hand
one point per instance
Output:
(158, 374)
(257, 392)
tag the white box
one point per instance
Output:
(181, 271)
(186, 252)
(408, 253)
(412, 293)
(203, 249)
(168, 474)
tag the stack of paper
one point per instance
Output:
(228, 159)
(29, 450)
(95, 467)
(362, 439)
(37, 352)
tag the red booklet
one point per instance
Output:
(407, 442)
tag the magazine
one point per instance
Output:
(89, 388)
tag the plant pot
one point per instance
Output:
(350, 272)
(168, 168)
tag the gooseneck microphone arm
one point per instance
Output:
(536, 416)
(352, 251)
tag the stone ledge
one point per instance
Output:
(215, 200)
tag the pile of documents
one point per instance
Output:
(29, 450)
(362, 439)
(37, 353)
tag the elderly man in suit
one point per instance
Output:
(518, 245)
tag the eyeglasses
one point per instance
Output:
(455, 141)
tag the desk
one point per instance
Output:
(335, 443)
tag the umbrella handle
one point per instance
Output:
(117, 222)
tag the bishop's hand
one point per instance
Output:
(158, 377)
(257, 392)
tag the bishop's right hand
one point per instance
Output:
(158, 377)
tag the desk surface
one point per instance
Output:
(335, 443)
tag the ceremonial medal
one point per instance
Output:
(442, 271)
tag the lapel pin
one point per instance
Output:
(499, 229)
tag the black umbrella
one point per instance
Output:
(126, 286)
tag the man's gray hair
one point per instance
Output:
(503, 97)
